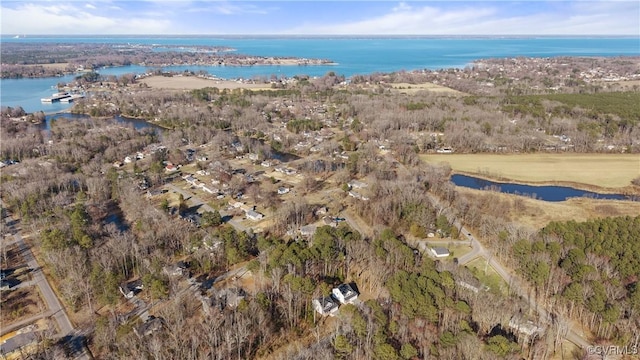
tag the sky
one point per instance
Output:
(293, 17)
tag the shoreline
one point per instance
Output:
(628, 190)
(288, 62)
(68, 111)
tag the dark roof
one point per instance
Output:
(149, 327)
(347, 291)
(327, 303)
(133, 285)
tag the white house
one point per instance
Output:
(345, 294)
(283, 190)
(444, 150)
(254, 215)
(325, 306)
(439, 252)
(355, 184)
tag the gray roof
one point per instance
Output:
(347, 291)
(441, 251)
(327, 303)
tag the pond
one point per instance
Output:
(137, 123)
(546, 193)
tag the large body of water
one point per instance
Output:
(353, 55)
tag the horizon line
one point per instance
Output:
(22, 35)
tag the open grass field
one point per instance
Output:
(594, 170)
(192, 82)
(414, 88)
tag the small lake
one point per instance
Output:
(137, 123)
(546, 193)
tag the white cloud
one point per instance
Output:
(405, 19)
(72, 18)
(227, 8)
(491, 18)
(90, 6)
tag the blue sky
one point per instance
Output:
(73, 17)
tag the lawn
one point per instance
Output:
(599, 170)
(487, 276)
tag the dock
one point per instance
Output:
(71, 98)
(56, 97)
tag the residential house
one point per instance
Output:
(193, 218)
(345, 294)
(439, 252)
(331, 221)
(205, 188)
(225, 298)
(325, 305)
(254, 215)
(308, 230)
(290, 171)
(148, 327)
(355, 184)
(190, 179)
(527, 328)
(178, 269)
(283, 190)
(130, 289)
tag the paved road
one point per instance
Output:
(193, 200)
(53, 304)
(231, 274)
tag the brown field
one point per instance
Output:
(612, 171)
(192, 82)
(56, 66)
(414, 88)
(538, 213)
